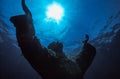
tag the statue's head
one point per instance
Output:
(56, 46)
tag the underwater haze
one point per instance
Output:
(100, 19)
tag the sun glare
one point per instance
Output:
(54, 12)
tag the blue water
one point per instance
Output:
(93, 17)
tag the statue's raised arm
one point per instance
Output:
(25, 8)
(86, 56)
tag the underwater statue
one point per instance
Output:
(51, 62)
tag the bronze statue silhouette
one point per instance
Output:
(51, 62)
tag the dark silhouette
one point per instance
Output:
(51, 62)
(85, 58)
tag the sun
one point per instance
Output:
(54, 12)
